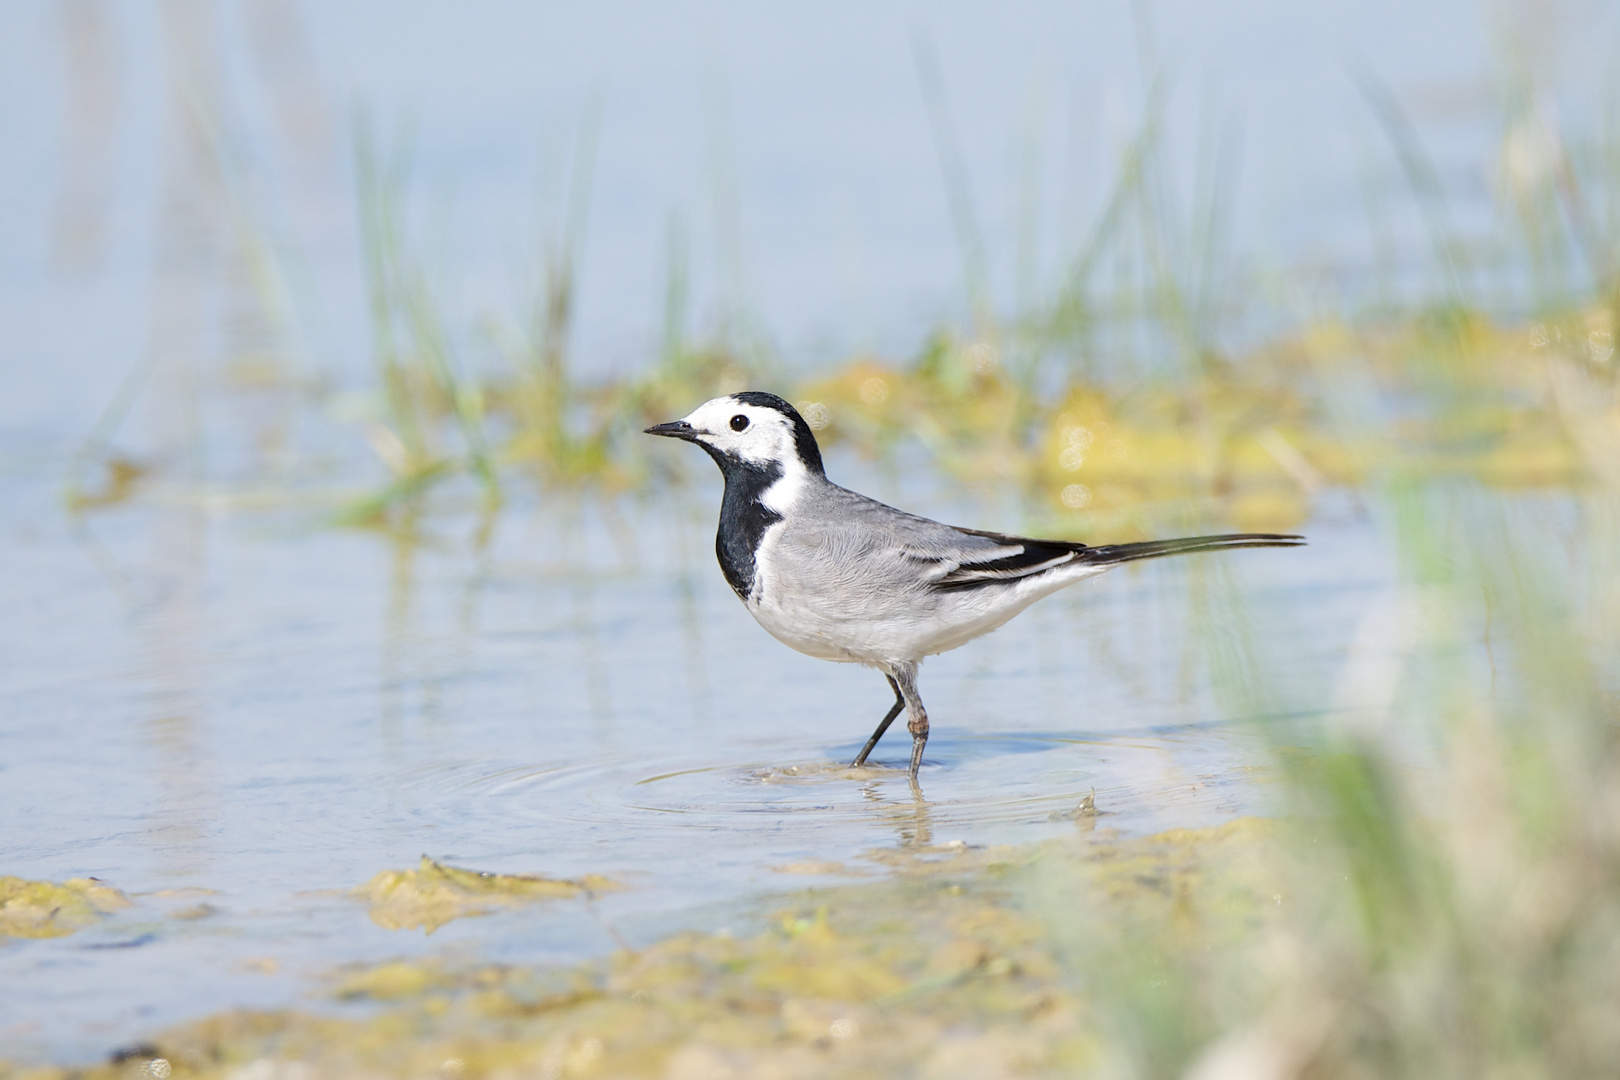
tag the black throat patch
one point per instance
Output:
(743, 517)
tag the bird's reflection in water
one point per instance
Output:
(911, 818)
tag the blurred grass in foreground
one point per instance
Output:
(1451, 853)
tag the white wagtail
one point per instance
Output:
(843, 577)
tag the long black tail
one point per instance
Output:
(1109, 554)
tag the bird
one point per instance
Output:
(840, 576)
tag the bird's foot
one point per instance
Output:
(918, 741)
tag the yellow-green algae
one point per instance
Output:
(943, 969)
(1259, 436)
(44, 909)
(1251, 439)
(434, 894)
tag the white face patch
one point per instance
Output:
(752, 433)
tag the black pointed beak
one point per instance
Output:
(675, 429)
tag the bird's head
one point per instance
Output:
(750, 429)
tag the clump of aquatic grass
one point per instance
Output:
(689, 367)
(440, 418)
(543, 395)
(1091, 398)
(421, 378)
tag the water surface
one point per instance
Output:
(249, 713)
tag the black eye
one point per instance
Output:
(739, 422)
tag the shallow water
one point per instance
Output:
(238, 718)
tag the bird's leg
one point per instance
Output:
(917, 717)
(894, 711)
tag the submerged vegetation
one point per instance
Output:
(433, 894)
(45, 909)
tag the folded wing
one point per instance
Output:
(1004, 559)
(1011, 558)
(853, 535)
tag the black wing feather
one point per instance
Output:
(1033, 557)
(1019, 557)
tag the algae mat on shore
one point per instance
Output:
(434, 894)
(962, 962)
(44, 909)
